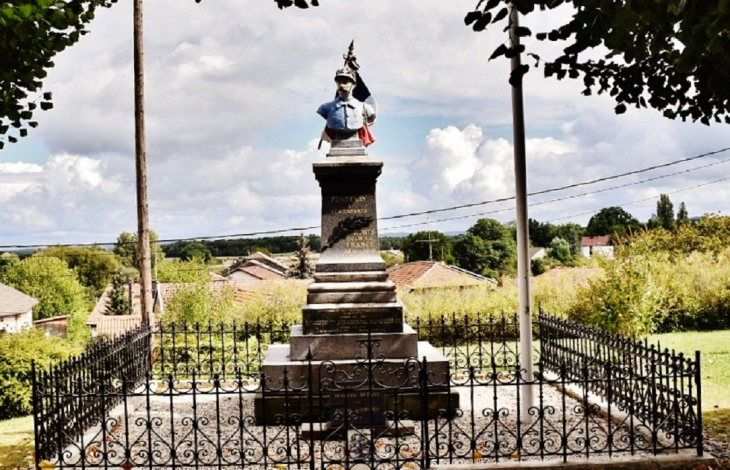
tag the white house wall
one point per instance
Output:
(16, 323)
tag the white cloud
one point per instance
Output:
(20, 167)
(231, 89)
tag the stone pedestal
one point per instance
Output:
(350, 296)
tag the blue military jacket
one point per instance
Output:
(345, 114)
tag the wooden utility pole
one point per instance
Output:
(523, 237)
(143, 225)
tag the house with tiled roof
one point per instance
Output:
(590, 246)
(16, 310)
(433, 274)
(256, 266)
(115, 325)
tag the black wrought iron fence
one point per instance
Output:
(204, 401)
(475, 340)
(661, 390)
(214, 348)
(76, 394)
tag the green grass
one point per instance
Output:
(16, 443)
(714, 347)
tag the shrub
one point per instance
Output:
(274, 302)
(659, 282)
(51, 282)
(199, 302)
(16, 353)
(194, 270)
(538, 266)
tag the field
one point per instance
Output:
(714, 347)
(16, 443)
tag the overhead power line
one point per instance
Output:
(646, 199)
(432, 211)
(560, 188)
(573, 196)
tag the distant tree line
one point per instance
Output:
(243, 246)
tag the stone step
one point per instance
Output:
(351, 297)
(353, 276)
(317, 287)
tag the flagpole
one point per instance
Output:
(523, 239)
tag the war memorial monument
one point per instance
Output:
(352, 343)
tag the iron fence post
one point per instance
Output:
(36, 450)
(425, 458)
(698, 386)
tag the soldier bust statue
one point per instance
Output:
(347, 117)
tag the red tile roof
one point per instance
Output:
(260, 272)
(603, 240)
(432, 274)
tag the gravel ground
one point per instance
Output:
(716, 447)
(163, 428)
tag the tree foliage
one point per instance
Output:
(94, 266)
(488, 248)
(118, 297)
(303, 268)
(6, 261)
(171, 271)
(669, 55)
(196, 250)
(32, 32)
(244, 246)
(127, 249)
(50, 281)
(682, 215)
(560, 250)
(665, 213)
(415, 246)
(542, 234)
(663, 281)
(612, 220)
(17, 351)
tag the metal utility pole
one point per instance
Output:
(143, 226)
(523, 238)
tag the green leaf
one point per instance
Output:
(500, 50)
(620, 108)
(46, 105)
(491, 4)
(47, 95)
(482, 22)
(514, 51)
(25, 10)
(500, 15)
(515, 77)
(23, 132)
(8, 12)
(471, 17)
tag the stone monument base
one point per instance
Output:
(324, 347)
(398, 380)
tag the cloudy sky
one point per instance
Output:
(232, 86)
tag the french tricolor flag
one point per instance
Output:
(360, 93)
